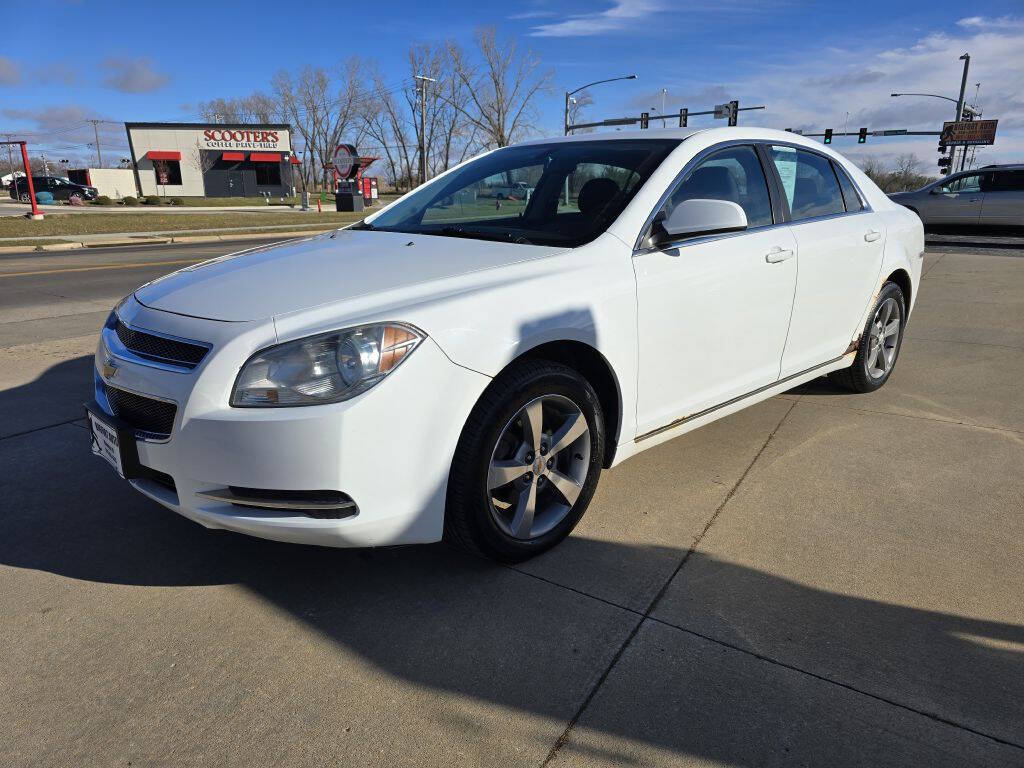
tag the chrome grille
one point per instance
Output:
(160, 348)
(154, 417)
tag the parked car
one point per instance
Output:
(61, 189)
(437, 372)
(990, 196)
(518, 190)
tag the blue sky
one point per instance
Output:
(810, 63)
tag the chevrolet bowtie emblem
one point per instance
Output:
(109, 369)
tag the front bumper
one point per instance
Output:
(389, 449)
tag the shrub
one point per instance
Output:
(176, 201)
(102, 200)
(129, 200)
(152, 200)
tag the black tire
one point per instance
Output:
(25, 198)
(469, 522)
(858, 377)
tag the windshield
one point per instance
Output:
(561, 194)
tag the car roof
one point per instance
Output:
(1004, 167)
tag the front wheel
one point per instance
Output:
(879, 343)
(527, 463)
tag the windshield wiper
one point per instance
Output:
(362, 225)
(479, 234)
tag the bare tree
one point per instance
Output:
(502, 88)
(257, 107)
(577, 104)
(203, 159)
(322, 106)
(903, 176)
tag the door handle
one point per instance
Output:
(872, 235)
(776, 254)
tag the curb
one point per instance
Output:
(59, 247)
(253, 236)
(226, 238)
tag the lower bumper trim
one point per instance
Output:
(333, 504)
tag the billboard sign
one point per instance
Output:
(969, 132)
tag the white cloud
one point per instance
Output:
(621, 14)
(859, 81)
(132, 75)
(10, 72)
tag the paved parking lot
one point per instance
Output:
(823, 579)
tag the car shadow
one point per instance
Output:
(456, 624)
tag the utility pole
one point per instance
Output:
(423, 80)
(10, 162)
(96, 133)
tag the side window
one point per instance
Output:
(969, 183)
(732, 174)
(809, 182)
(850, 195)
(1006, 181)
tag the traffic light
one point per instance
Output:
(942, 148)
(734, 111)
(644, 119)
(684, 115)
(862, 136)
(945, 163)
(828, 135)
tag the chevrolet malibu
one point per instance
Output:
(455, 367)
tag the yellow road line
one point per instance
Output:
(104, 266)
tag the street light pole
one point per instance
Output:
(966, 59)
(582, 87)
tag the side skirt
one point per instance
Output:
(694, 421)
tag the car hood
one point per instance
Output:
(277, 279)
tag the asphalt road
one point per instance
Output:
(823, 579)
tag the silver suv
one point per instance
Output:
(989, 196)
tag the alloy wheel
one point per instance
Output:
(883, 338)
(538, 467)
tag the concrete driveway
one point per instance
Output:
(825, 579)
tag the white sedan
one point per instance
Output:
(451, 369)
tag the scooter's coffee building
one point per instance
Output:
(211, 160)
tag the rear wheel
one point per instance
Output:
(527, 463)
(879, 343)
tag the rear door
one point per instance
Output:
(839, 255)
(1003, 204)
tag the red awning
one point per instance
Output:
(265, 157)
(295, 160)
(237, 157)
(155, 155)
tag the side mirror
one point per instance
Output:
(691, 218)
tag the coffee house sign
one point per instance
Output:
(240, 138)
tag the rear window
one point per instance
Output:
(850, 195)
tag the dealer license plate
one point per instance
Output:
(105, 443)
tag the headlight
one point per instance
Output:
(326, 368)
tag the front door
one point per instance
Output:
(713, 311)
(957, 202)
(236, 184)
